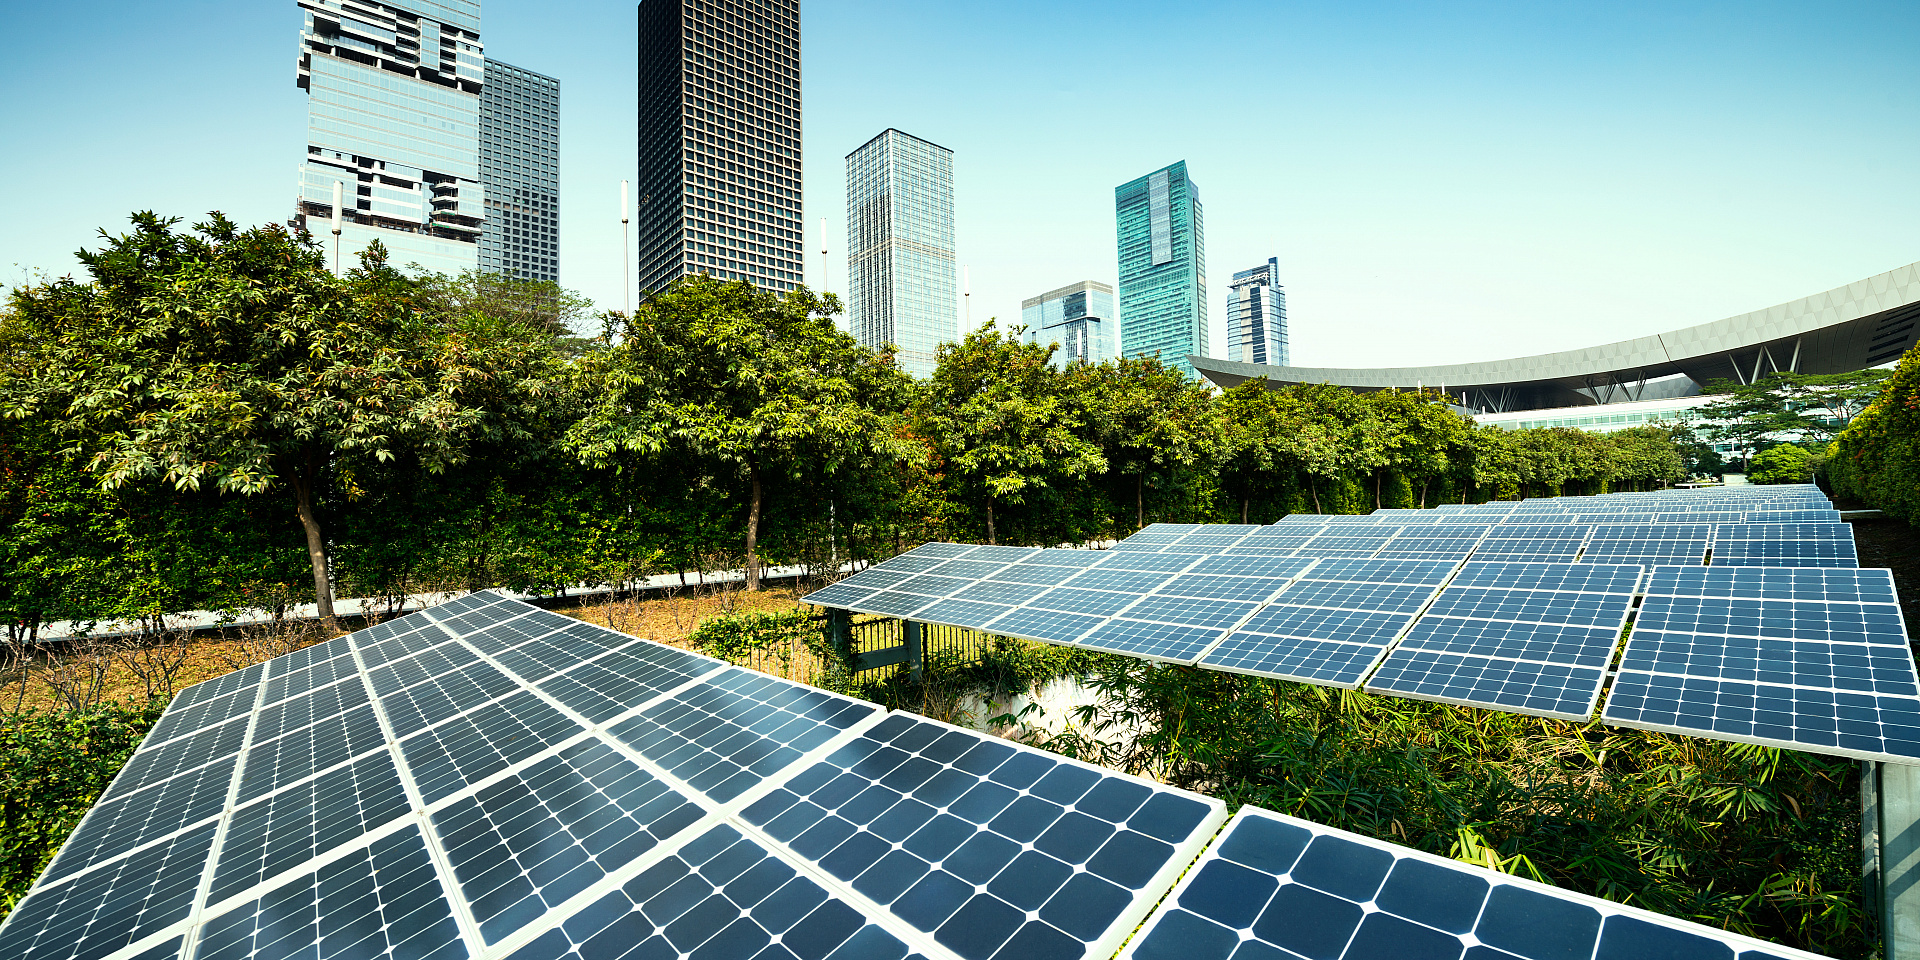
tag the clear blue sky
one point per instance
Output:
(1441, 182)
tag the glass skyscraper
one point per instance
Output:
(1163, 267)
(520, 171)
(1257, 316)
(719, 138)
(1078, 317)
(900, 261)
(393, 114)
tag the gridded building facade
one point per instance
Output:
(900, 251)
(1257, 316)
(1163, 267)
(719, 137)
(393, 114)
(520, 171)
(1078, 317)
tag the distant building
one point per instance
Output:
(1078, 317)
(393, 113)
(719, 142)
(520, 171)
(900, 257)
(1257, 316)
(1163, 267)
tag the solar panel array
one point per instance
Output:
(490, 780)
(1530, 624)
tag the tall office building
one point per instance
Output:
(1078, 317)
(1257, 316)
(719, 176)
(393, 114)
(1163, 267)
(520, 172)
(900, 262)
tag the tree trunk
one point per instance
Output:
(753, 526)
(1423, 492)
(1315, 490)
(303, 480)
(1376, 489)
(990, 537)
(1243, 509)
(1140, 499)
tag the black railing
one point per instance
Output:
(954, 646)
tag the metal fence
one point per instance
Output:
(949, 645)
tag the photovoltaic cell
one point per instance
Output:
(454, 755)
(721, 895)
(270, 836)
(129, 820)
(1805, 658)
(1333, 625)
(1528, 638)
(738, 728)
(1273, 883)
(1544, 542)
(378, 902)
(1648, 544)
(523, 845)
(987, 848)
(96, 913)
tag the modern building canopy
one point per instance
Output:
(1860, 325)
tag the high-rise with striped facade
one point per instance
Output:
(520, 170)
(393, 114)
(718, 190)
(901, 283)
(1163, 267)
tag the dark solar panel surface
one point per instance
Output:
(1532, 638)
(1805, 658)
(1274, 886)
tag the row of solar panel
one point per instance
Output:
(1525, 636)
(566, 793)
(1809, 543)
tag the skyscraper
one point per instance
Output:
(900, 263)
(1257, 316)
(1078, 317)
(393, 113)
(520, 171)
(1163, 267)
(719, 175)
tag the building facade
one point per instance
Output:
(393, 114)
(1078, 317)
(719, 142)
(520, 172)
(1163, 267)
(1257, 316)
(900, 252)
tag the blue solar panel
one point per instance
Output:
(1277, 887)
(1648, 544)
(1533, 638)
(1332, 626)
(986, 848)
(1805, 658)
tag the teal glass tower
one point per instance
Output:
(1163, 267)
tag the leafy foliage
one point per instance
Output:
(52, 767)
(1782, 463)
(1876, 459)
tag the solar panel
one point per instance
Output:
(1333, 625)
(1543, 542)
(1799, 657)
(1648, 544)
(1532, 638)
(985, 848)
(1187, 612)
(1273, 883)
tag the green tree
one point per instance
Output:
(1782, 463)
(1787, 406)
(1151, 421)
(233, 360)
(1001, 419)
(761, 383)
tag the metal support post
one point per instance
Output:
(1896, 794)
(910, 631)
(840, 629)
